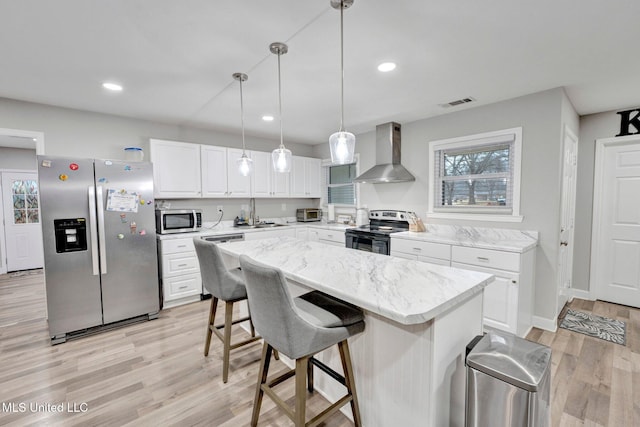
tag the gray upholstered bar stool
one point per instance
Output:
(299, 328)
(228, 286)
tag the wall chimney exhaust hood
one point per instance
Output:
(388, 168)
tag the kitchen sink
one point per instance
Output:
(262, 225)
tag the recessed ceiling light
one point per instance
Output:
(267, 118)
(385, 67)
(112, 86)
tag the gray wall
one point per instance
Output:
(592, 127)
(75, 133)
(17, 158)
(541, 117)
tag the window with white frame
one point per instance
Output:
(476, 176)
(340, 189)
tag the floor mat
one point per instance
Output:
(595, 326)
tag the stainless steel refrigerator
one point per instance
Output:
(98, 227)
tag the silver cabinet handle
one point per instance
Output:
(184, 287)
(417, 249)
(182, 246)
(482, 258)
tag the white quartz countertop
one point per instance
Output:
(408, 292)
(227, 228)
(477, 237)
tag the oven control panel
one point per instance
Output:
(389, 215)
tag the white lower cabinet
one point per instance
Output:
(330, 237)
(435, 253)
(508, 300)
(266, 234)
(179, 272)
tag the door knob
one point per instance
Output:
(564, 243)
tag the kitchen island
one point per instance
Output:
(409, 362)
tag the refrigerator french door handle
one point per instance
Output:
(93, 229)
(101, 235)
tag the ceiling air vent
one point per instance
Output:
(457, 102)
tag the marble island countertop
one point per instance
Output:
(226, 227)
(408, 292)
(478, 237)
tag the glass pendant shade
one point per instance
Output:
(245, 165)
(342, 145)
(281, 159)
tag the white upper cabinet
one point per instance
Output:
(214, 171)
(176, 169)
(220, 176)
(184, 170)
(312, 174)
(265, 182)
(305, 177)
(237, 184)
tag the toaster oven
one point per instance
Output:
(308, 214)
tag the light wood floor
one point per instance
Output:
(594, 382)
(151, 373)
(154, 373)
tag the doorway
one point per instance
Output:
(15, 139)
(615, 251)
(567, 216)
(22, 230)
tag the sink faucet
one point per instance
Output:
(252, 211)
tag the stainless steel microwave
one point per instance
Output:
(178, 221)
(308, 214)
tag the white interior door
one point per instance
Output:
(23, 233)
(615, 254)
(567, 216)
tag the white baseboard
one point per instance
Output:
(579, 293)
(550, 325)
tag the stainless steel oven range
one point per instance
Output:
(376, 237)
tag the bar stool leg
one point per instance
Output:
(210, 326)
(262, 378)
(301, 392)
(345, 357)
(310, 375)
(228, 320)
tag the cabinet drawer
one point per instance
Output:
(180, 263)
(182, 286)
(331, 235)
(177, 245)
(416, 247)
(486, 258)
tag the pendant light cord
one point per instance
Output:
(341, 66)
(280, 100)
(242, 116)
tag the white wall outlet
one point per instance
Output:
(219, 208)
(284, 207)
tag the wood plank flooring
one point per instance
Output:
(594, 382)
(154, 373)
(150, 373)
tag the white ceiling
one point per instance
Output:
(175, 58)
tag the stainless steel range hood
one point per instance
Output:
(388, 168)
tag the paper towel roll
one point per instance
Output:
(331, 215)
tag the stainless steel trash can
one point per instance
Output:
(508, 381)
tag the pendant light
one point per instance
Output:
(342, 143)
(281, 156)
(245, 164)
